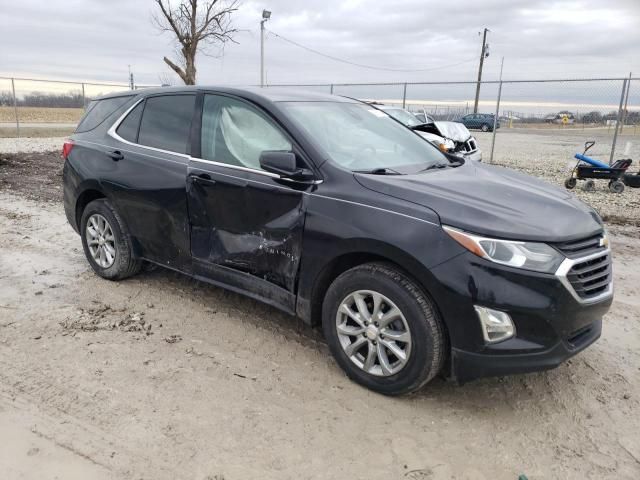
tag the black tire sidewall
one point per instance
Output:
(123, 255)
(422, 364)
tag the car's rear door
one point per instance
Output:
(246, 223)
(147, 180)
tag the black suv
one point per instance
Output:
(415, 263)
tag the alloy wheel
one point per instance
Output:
(100, 240)
(373, 333)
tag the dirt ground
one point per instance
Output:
(161, 377)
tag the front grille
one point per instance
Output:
(582, 247)
(591, 277)
(470, 145)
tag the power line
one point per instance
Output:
(371, 67)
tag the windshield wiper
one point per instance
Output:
(380, 171)
(435, 166)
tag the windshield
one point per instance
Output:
(356, 136)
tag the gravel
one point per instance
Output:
(15, 145)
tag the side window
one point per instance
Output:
(128, 128)
(166, 122)
(235, 133)
(98, 111)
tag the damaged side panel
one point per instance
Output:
(245, 225)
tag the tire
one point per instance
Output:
(484, 127)
(570, 183)
(589, 186)
(118, 265)
(425, 353)
(616, 186)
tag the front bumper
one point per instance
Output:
(467, 366)
(551, 324)
(475, 156)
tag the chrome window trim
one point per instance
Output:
(253, 170)
(113, 134)
(568, 263)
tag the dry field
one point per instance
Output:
(41, 114)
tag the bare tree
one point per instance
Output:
(196, 27)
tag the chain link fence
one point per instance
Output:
(538, 118)
(35, 107)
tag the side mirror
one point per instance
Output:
(284, 164)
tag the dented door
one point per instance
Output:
(245, 221)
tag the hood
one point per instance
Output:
(432, 137)
(493, 201)
(455, 131)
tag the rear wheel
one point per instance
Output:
(383, 330)
(570, 183)
(484, 127)
(616, 186)
(106, 242)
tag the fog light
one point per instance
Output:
(496, 326)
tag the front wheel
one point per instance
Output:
(484, 127)
(382, 329)
(106, 242)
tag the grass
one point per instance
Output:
(39, 132)
(41, 114)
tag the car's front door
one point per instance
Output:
(246, 223)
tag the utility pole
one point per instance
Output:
(266, 15)
(483, 54)
(130, 78)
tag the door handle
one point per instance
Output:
(116, 155)
(203, 178)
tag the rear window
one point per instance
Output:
(128, 129)
(166, 122)
(99, 110)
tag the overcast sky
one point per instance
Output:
(97, 39)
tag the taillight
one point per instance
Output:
(66, 148)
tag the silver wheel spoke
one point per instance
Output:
(395, 349)
(392, 314)
(372, 354)
(355, 346)
(362, 307)
(396, 336)
(344, 308)
(384, 360)
(377, 302)
(345, 329)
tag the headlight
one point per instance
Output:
(445, 145)
(538, 257)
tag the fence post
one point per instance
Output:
(331, 89)
(84, 99)
(495, 117)
(15, 107)
(626, 103)
(618, 118)
(404, 96)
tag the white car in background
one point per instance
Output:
(450, 137)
